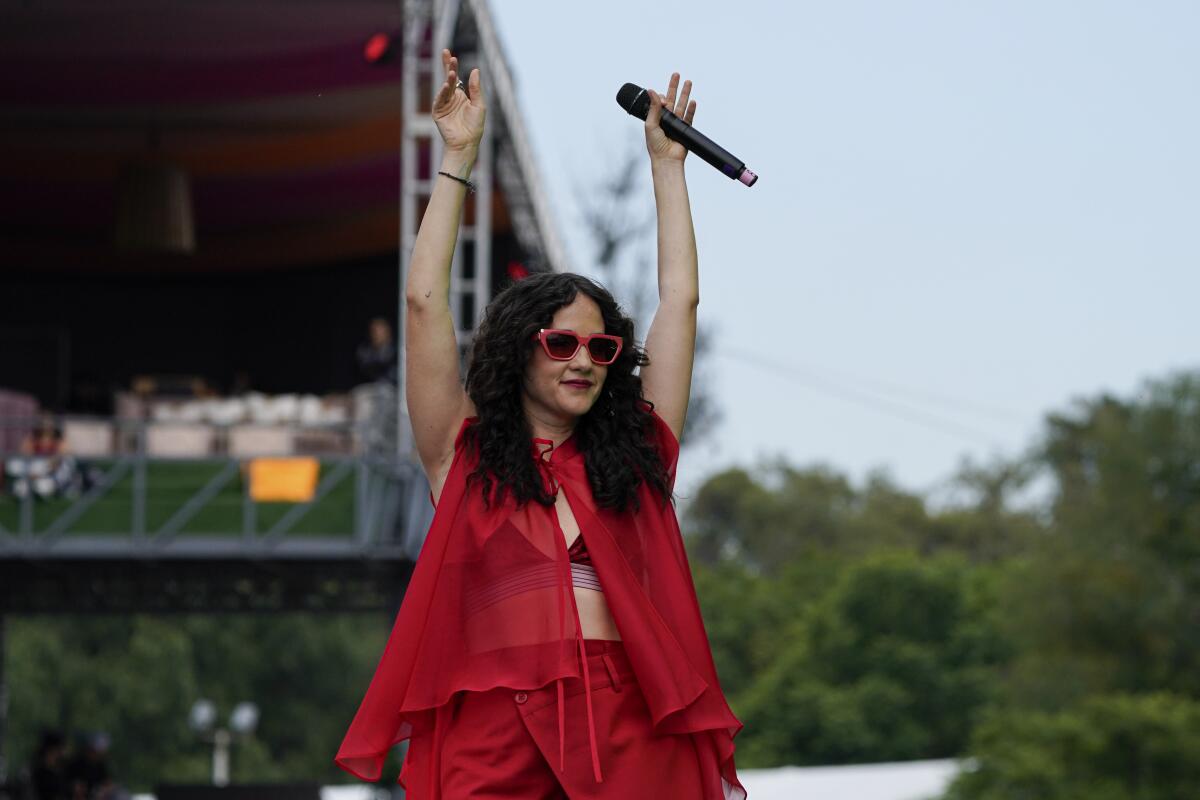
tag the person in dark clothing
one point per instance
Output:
(375, 400)
(46, 776)
(377, 355)
(88, 773)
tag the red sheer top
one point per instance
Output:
(490, 604)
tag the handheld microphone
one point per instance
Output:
(636, 101)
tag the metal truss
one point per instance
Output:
(372, 529)
(505, 162)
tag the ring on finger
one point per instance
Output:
(460, 85)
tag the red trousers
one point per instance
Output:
(503, 744)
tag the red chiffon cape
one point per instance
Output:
(490, 604)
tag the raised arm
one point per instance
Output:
(437, 402)
(671, 342)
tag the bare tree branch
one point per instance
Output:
(621, 224)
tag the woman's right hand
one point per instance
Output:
(459, 115)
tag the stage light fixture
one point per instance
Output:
(378, 49)
(154, 208)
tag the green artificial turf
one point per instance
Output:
(169, 486)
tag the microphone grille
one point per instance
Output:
(634, 99)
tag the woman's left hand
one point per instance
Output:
(661, 148)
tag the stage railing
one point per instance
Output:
(184, 489)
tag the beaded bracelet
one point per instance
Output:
(470, 186)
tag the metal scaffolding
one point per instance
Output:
(505, 163)
(162, 565)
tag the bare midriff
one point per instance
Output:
(595, 620)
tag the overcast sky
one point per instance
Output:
(968, 214)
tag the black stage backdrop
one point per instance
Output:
(72, 339)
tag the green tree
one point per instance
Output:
(619, 215)
(137, 677)
(892, 663)
(1111, 747)
(131, 677)
(778, 515)
(1101, 701)
(1110, 601)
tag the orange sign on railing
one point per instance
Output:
(283, 480)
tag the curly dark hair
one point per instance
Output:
(615, 436)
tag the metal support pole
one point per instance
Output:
(417, 18)
(480, 286)
(220, 760)
(249, 515)
(421, 74)
(139, 487)
(26, 526)
(362, 493)
(3, 704)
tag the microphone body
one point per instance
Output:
(636, 101)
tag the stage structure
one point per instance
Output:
(221, 188)
(505, 158)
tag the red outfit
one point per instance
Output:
(490, 605)
(501, 743)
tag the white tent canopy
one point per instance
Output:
(908, 780)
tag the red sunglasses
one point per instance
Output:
(563, 345)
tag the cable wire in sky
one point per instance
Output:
(887, 405)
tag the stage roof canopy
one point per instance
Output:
(287, 134)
